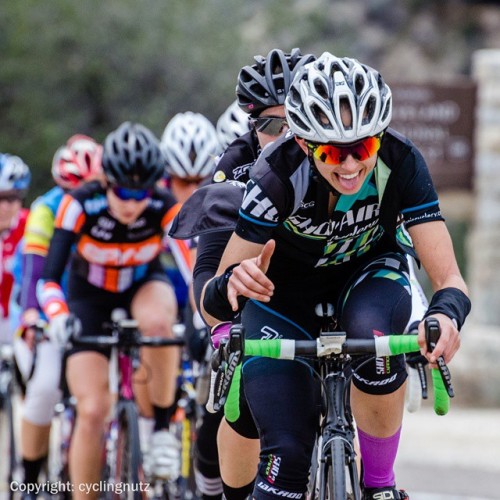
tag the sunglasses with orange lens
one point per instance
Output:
(333, 154)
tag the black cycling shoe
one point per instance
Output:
(387, 493)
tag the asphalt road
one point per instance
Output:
(451, 457)
(454, 457)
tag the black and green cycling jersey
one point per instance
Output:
(285, 200)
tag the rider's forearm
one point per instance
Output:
(215, 303)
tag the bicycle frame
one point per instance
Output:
(333, 352)
(336, 424)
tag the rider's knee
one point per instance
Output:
(93, 411)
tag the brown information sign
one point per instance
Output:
(439, 119)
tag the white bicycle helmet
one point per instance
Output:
(313, 103)
(15, 175)
(233, 123)
(78, 160)
(189, 144)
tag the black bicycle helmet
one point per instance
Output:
(266, 83)
(132, 157)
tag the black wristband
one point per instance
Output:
(452, 302)
(215, 301)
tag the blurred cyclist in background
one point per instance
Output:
(260, 93)
(75, 162)
(15, 178)
(116, 229)
(189, 144)
(232, 123)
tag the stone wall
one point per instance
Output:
(484, 243)
(476, 368)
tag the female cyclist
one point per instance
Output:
(322, 220)
(116, 228)
(260, 93)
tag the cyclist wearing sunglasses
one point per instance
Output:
(116, 230)
(260, 92)
(329, 214)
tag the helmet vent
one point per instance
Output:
(359, 84)
(387, 109)
(321, 117)
(320, 88)
(369, 110)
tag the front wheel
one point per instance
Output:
(340, 479)
(60, 441)
(125, 479)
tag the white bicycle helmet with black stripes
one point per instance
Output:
(189, 144)
(233, 123)
(15, 175)
(320, 89)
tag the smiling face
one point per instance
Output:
(344, 166)
(348, 175)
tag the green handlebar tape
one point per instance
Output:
(265, 348)
(441, 398)
(232, 405)
(403, 344)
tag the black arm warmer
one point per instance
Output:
(452, 302)
(215, 300)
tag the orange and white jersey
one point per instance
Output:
(108, 254)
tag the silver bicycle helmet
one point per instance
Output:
(266, 83)
(319, 91)
(15, 175)
(132, 157)
(189, 144)
(232, 124)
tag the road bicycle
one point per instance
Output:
(123, 475)
(9, 393)
(334, 470)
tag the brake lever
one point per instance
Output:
(224, 362)
(418, 362)
(234, 354)
(432, 334)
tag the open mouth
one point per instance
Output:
(348, 182)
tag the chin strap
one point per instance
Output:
(318, 177)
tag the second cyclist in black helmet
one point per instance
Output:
(116, 229)
(260, 92)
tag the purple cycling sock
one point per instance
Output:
(379, 455)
